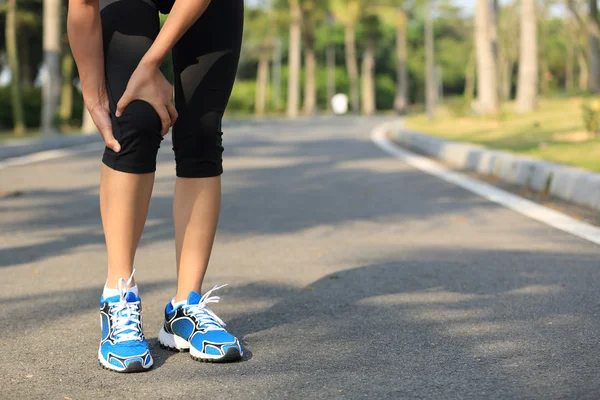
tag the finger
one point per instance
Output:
(122, 104)
(165, 119)
(172, 112)
(109, 139)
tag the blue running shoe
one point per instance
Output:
(193, 326)
(123, 347)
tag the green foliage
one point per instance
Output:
(591, 117)
(242, 97)
(385, 91)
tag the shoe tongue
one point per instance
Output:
(194, 298)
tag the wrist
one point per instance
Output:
(91, 98)
(151, 60)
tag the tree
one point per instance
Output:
(590, 67)
(401, 23)
(348, 13)
(294, 59)
(13, 61)
(593, 47)
(430, 80)
(370, 22)
(66, 98)
(487, 82)
(527, 87)
(313, 12)
(51, 86)
(508, 49)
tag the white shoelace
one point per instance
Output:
(125, 316)
(206, 318)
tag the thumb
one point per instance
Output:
(122, 104)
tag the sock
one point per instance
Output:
(177, 304)
(110, 292)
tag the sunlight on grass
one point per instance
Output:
(555, 132)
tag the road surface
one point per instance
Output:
(351, 275)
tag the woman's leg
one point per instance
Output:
(124, 201)
(205, 63)
(195, 213)
(129, 28)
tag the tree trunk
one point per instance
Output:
(262, 81)
(25, 72)
(330, 74)
(583, 72)
(507, 66)
(401, 98)
(13, 62)
(487, 82)
(469, 92)
(593, 48)
(276, 79)
(51, 85)
(430, 81)
(569, 68)
(66, 98)
(310, 70)
(87, 123)
(527, 85)
(294, 59)
(368, 78)
(352, 67)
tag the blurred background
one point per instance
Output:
(501, 69)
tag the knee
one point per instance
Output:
(138, 133)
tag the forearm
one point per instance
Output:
(183, 15)
(85, 37)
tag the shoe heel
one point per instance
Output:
(173, 342)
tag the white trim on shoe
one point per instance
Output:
(172, 341)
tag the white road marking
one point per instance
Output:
(51, 154)
(523, 206)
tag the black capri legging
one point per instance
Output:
(204, 62)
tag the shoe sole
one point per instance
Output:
(131, 368)
(172, 342)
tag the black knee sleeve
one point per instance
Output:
(138, 133)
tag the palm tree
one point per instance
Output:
(262, 77)
(487, 82)
(348, 13)
(527, 87)
(294, 58)
(261, 25)
(312, 13)
(66, 98)
(13, 62)
(430, 81)
(51, 87)
(401, 98)
(593, 47)
(368, 65)
(590, 67)
(508, 49)
(394, 13)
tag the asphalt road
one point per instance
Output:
(351, 275)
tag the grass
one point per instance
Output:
(554, 132)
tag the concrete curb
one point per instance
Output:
(28, 146)
(567, 183)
